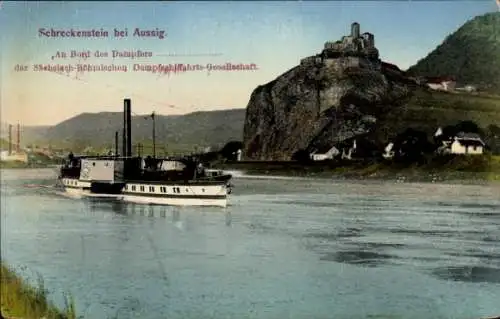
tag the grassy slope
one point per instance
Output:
(20, 300)
(428, 110)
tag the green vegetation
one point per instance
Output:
(471, 54)
(424, 110)
(174, 134)
(435, 168)
(4, 144)
(427, 110)
(21, 300)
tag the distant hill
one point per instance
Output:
(471, 54)
(178, 132)
(27, 132)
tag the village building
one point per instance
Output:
(238, 155)
(389, 151)
(324, 153)
(462, 143)
(467, 88)
(441, 83)
(348, 151)
(467, 143)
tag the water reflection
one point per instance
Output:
(275, 259)
(358, 257)
(474, 274)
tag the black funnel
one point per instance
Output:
(128, 114)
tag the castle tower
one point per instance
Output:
(355, 30)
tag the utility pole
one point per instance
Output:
(154, 135)
(116, 143)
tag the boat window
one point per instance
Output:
(187, 190)
(126, 187)
(151, 189)
(142, 188)
(133, 188)
(203, 190)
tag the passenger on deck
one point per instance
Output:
(150, 163)
(200, 171)
(71, 158)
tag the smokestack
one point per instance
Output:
(129, 127)
(10, 139)
(18, 149)
(116, 143)
(124, 134)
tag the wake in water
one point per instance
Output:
(242, 174)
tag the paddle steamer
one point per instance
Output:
(163, 181)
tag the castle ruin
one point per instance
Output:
(354, 50)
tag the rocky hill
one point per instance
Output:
(325, 101)
(471, 54)
(311, 105)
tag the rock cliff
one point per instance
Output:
(319, 102)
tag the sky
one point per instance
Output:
(272, 35)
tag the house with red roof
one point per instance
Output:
(442, 83)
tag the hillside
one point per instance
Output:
(471, 54)
(341, 95)
(427, 110)
(179, 132)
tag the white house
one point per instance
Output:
(347, 154)
(438, 132)
(467, 143)
(467, 88)
(388, 151)
(324, 153)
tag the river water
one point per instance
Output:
(285, 248)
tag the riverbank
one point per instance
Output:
(22, 300)
(23, 165)
(479, 168)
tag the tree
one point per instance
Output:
(493, 130)
(229, 151)
(467, 127)
(411, 146)
(492, 138)
(302, 156)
